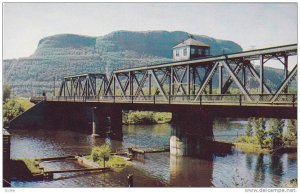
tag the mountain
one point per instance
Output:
(69, 54)
(153, 43)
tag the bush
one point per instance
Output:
(114, 160)
(98, 152)
(146, 117)
(25, 103)
(11, 109)
(6, 92)
(267, 143)
(161, 117)
(291, 130)
(141, 117)
(248, 139)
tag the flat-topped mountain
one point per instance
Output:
(68, 54)
(152, 43)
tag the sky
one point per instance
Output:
(251, 25)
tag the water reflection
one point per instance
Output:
(159, 169)
(190, 172)
(249, 161)
(276, 168)
(260, 169)
(292, 159)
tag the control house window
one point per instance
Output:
(177, 52)
(206, 51)
(192, 50)
(184, 51)
(200, 51)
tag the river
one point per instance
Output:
(237, 169)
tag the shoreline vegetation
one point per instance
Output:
(13, 106)
(268, 136)
(145, 117)
(30, 164)
(251, 148)
(102, 156)
(25, 169)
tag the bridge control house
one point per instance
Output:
(190, 49)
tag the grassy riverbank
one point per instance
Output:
(251, 148)
(29, 163)
(114, 161)
(145, 117)
(25, 103)
(24, 169)
(268, 135)
(250, 144)
(31, 166)
(13, 107)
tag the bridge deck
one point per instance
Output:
(288, 100)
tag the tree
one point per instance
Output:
(11, 109)
(99, 152)
(6, 92)
(260, 130)
(292, 129)
(249, 129)
(275, 131)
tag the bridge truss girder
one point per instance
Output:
(191, 79)
(92, 84)
(187, 81)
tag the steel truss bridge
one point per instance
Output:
(190, 81)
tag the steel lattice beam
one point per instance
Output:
(256, 75)
(188, 78)
(83, 85)
(290, 77)
(208, 78)
(236, 80)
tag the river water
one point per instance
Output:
(154, 170)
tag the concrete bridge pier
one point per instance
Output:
(116, 124)
(192, 134)
(107, 121)
(95, 123)
(98, 122)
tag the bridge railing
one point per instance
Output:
(224, 99)
(287, 97)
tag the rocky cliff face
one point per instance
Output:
(69, 54)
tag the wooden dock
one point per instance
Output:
(148, 150)
(157, 150)
(55, 158)
(49, 174)
(76, 170)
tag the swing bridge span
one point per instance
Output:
(190, 82)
